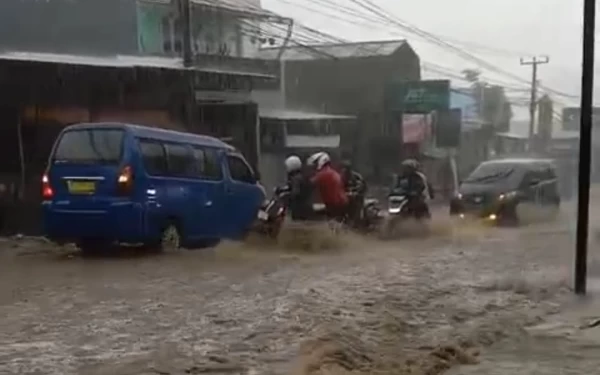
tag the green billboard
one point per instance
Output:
(418, 96)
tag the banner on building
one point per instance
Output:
(416, 128)
(448, 126)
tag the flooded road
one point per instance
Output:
(421, 305)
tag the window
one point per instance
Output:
(90, 146)
(180, 161)
(153, 155)
(207, 164)
(532, 177)
(239, 170)
(213, 166)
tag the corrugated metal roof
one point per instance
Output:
(338, 51)
(250, 7)
(312, 141)
(119, 61)
(108, 61)
(285, 114)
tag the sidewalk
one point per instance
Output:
(568, 343)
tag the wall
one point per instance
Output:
(349, 85)
(214, 32)
(217, 33)
(68, 26)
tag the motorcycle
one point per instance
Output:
(271, 214)
(403, 206)
(367, 220)
(369, 217)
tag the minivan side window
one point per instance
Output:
(531, 176)
(180, 161)
(154, 157)
(207, 164)
(239, 170)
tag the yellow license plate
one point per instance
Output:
(81, 187)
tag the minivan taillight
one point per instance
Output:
(125, 181)
(47, 192)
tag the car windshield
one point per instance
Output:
(490, 173)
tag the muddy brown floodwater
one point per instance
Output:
(418, 305)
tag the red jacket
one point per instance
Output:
(331, 187)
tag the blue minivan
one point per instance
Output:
(119, 183)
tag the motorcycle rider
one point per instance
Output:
(356, 189)
(414, 183)
(330, 186)
(300, 189)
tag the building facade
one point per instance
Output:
(224, 27)
(350, 79)
(107, 27)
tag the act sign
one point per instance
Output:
(418, 96)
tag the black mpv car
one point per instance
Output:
(509, 191)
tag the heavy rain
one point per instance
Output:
(298, 187)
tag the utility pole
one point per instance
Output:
(585, 140)
(534, 62)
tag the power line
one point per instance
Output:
(311, 36)
(378, 14)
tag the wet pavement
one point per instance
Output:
(460, 299)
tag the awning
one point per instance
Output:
(122, 61)
(284, 114)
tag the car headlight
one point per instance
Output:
(509, 195)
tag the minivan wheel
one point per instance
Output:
(170, 238)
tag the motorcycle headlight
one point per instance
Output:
(458, 196)
(507, 196)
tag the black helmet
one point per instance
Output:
(346, 164)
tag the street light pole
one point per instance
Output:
(585, 145)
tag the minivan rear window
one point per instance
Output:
(90, 146)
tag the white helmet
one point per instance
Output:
(293, 163)
(319, 160)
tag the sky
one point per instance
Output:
(499, 32)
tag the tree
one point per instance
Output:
(492, 103)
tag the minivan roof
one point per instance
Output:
(158, 134)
